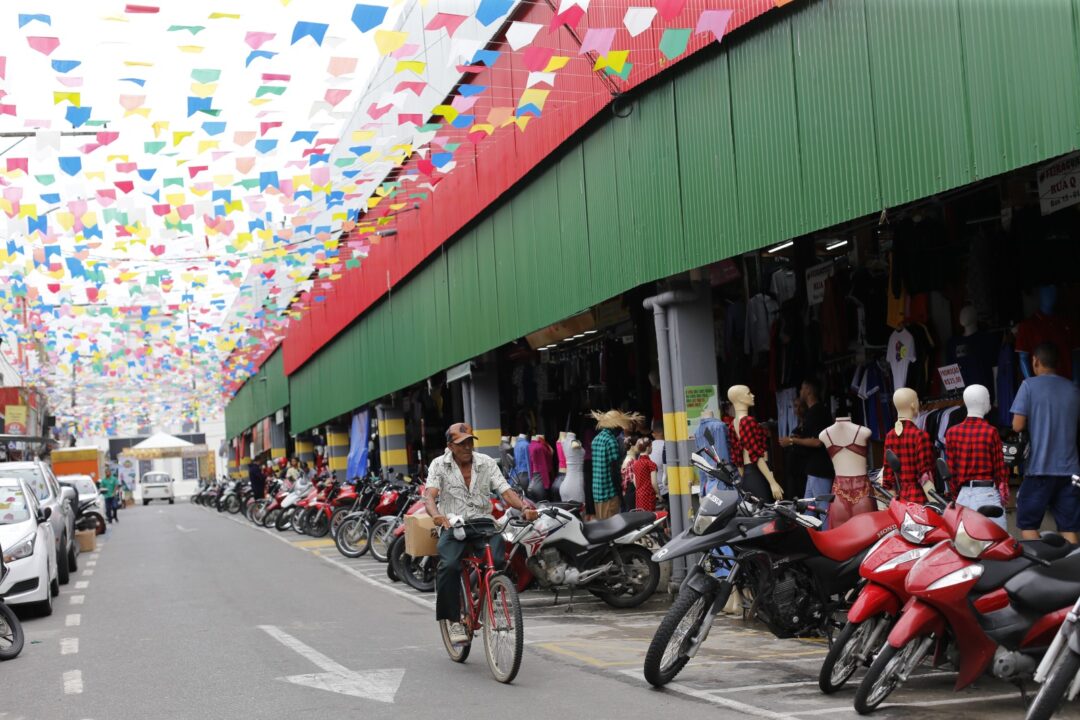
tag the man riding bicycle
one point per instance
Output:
(460, 483)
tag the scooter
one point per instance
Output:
(974, 593)
(883, 596)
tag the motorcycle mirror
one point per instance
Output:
(943, 469)
(991, 511)
(709, 436)
(893, 461)
(699, 461)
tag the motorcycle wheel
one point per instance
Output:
(232, 504)
(317, 525)
(843, 658)
(99, 523)
(417, 573)
(299, 521)
(391, 571)
(257, 511)
(1052, 693)
(380, 536)
(639, 583)
(335, 520)
(352, 537)
(11, 633)
(284, 520)
(270, 519)
(666, 656)
(884, 674)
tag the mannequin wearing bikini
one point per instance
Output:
(846, 443)
(748, 444)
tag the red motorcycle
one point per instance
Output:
(273, 508)
(330, 506)
(961, 597)
(386, 499)
(885, 569)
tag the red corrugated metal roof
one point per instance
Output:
(489, 168)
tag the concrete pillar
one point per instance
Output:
(393, 454)
(305, 449)
(482, 410)
(278, 438)
(337, 449)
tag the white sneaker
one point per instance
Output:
(457, 633)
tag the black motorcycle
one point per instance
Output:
(799, 577)
(11, 631)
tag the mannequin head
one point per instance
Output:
(1048, 295)
(906, 402)
(969, 319)
(977, 400)
(740, 396)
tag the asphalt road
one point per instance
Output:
(187, 613)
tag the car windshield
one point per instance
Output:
(82, 483)
(156, 478)
(32, 476)
(14, 507)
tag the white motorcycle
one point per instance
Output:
(603, 556)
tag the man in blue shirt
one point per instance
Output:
(1048, 405)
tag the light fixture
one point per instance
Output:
(781, 246)
(590, 332)
(837, 244)
(579, 335)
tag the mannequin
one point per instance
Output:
(846, 443)
(573, 486)
(749, 446)
(912, 445)
(521, 461)
(973, 448)
(975, 352)
(506, 457)
(718, 429)
(560, 476)
(1045, 326)
(540, 469)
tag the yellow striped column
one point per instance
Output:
(337, 448)
(242, 468)
(305, 449)
(482, 399)
(393, 455)
(277, 440)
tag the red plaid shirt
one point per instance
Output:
(750, 437)
(912, 447)
(974, 452)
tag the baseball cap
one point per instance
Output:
(459, 432)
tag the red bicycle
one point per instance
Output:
(489, 604)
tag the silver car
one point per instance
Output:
(39, 476)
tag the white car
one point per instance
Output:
(157, 486)
(26, 539)
(91, 514)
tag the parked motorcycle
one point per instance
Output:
(800, 577)
(11, 631)
(381, 532)
(384, 498)
(273, 505)
(416, 572)
(883, 596)
(982, 593)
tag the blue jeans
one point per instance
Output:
(111, 505)
(818, 486)
(976, 497)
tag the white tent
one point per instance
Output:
(163, 445)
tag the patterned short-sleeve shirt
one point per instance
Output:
(750, 437)
(455, 498)
(605, 451)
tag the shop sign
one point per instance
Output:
(129, 468)
(699, 398)
(15, 419)
(951, 377)
(1059, 184)
(815, 281)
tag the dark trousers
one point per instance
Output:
(448, 576)
(110, 508)
(258, 489)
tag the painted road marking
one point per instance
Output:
(186, 530)
(312, 544)
(82, 584)
(918, 703)
(77, 599)
(380, 685)
(69, 646)
(73, 620)
(73, 684)
(87, 573)
(91, 563)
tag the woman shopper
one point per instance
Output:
(628, 486)
(645, 477)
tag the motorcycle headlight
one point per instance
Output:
(22, 549)
(910, 556)
(702, 523)
(914, 532)
(971, 572)
(968, 546)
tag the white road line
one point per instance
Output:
(73, 684)
(77, 599)
(73, 620)
(919, 703)
(755, 688)
(314, 656)
(69, 646)
(722, 701)
(93, 556)
(91, 563)
(87, 573)
(82, 584)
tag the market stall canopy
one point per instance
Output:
(163, 445)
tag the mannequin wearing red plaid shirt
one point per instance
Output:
(912, 447)
(973, 448)
(748, 444)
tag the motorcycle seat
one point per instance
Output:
(854, 536)
(1052, 547)
(600, 531)
(1046, 589)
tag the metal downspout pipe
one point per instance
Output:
(674, 433)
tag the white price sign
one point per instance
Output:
(951, 376)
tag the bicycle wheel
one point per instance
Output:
(11, 633)
(504, 634)
(458, 653)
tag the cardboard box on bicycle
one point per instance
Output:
(420, 536)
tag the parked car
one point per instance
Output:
(49, 494)
(91, 508)
(157, 486)
(29, 549)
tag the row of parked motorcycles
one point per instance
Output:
(933, 583)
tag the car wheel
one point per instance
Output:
(54, 587)
(171, 501)
(45, 607)
(63, 571)
(145, 502)
(73, 557)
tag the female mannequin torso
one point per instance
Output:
(846, 443)
(573, 487)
